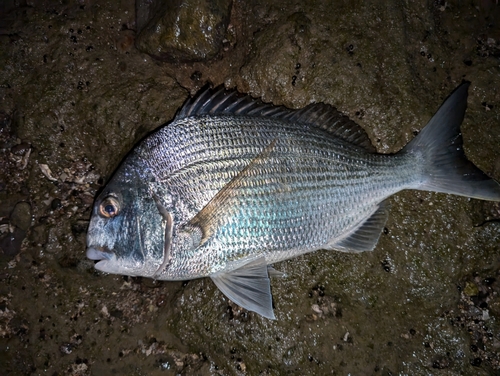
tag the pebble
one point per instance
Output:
(10, 244)
(20, 149)
(55, 204)
(21, 216)
(66, 348)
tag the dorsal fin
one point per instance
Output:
(220, 101)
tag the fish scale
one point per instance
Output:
(232, 185)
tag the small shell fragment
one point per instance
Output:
(25, 159)
(46, 171)
(316, 308)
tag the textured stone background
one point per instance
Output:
(76, 94)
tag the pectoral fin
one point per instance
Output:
(248, 286)
(208, 218)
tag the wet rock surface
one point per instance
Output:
(183, 30)
(76, 95)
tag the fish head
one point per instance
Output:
(125, 230)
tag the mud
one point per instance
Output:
(76, 95)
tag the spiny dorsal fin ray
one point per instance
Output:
(219, 101)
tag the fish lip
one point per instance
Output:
(99, 254)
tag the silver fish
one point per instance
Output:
(232, 185)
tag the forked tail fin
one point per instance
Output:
(446, 168)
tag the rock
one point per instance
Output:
(8, 201)
(186, 30)
(144, 11)
(10, 244)
(21, 216)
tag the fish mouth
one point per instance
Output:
(98, 254)
(103, 257)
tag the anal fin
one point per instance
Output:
(364, 237)
(248, 286)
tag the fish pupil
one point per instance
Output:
(110, 209)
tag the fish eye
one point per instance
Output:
(109, 207)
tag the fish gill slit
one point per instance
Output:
(140, 237)
(169, 227)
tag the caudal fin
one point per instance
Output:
(446, 168)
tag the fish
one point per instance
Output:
(233, 185)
